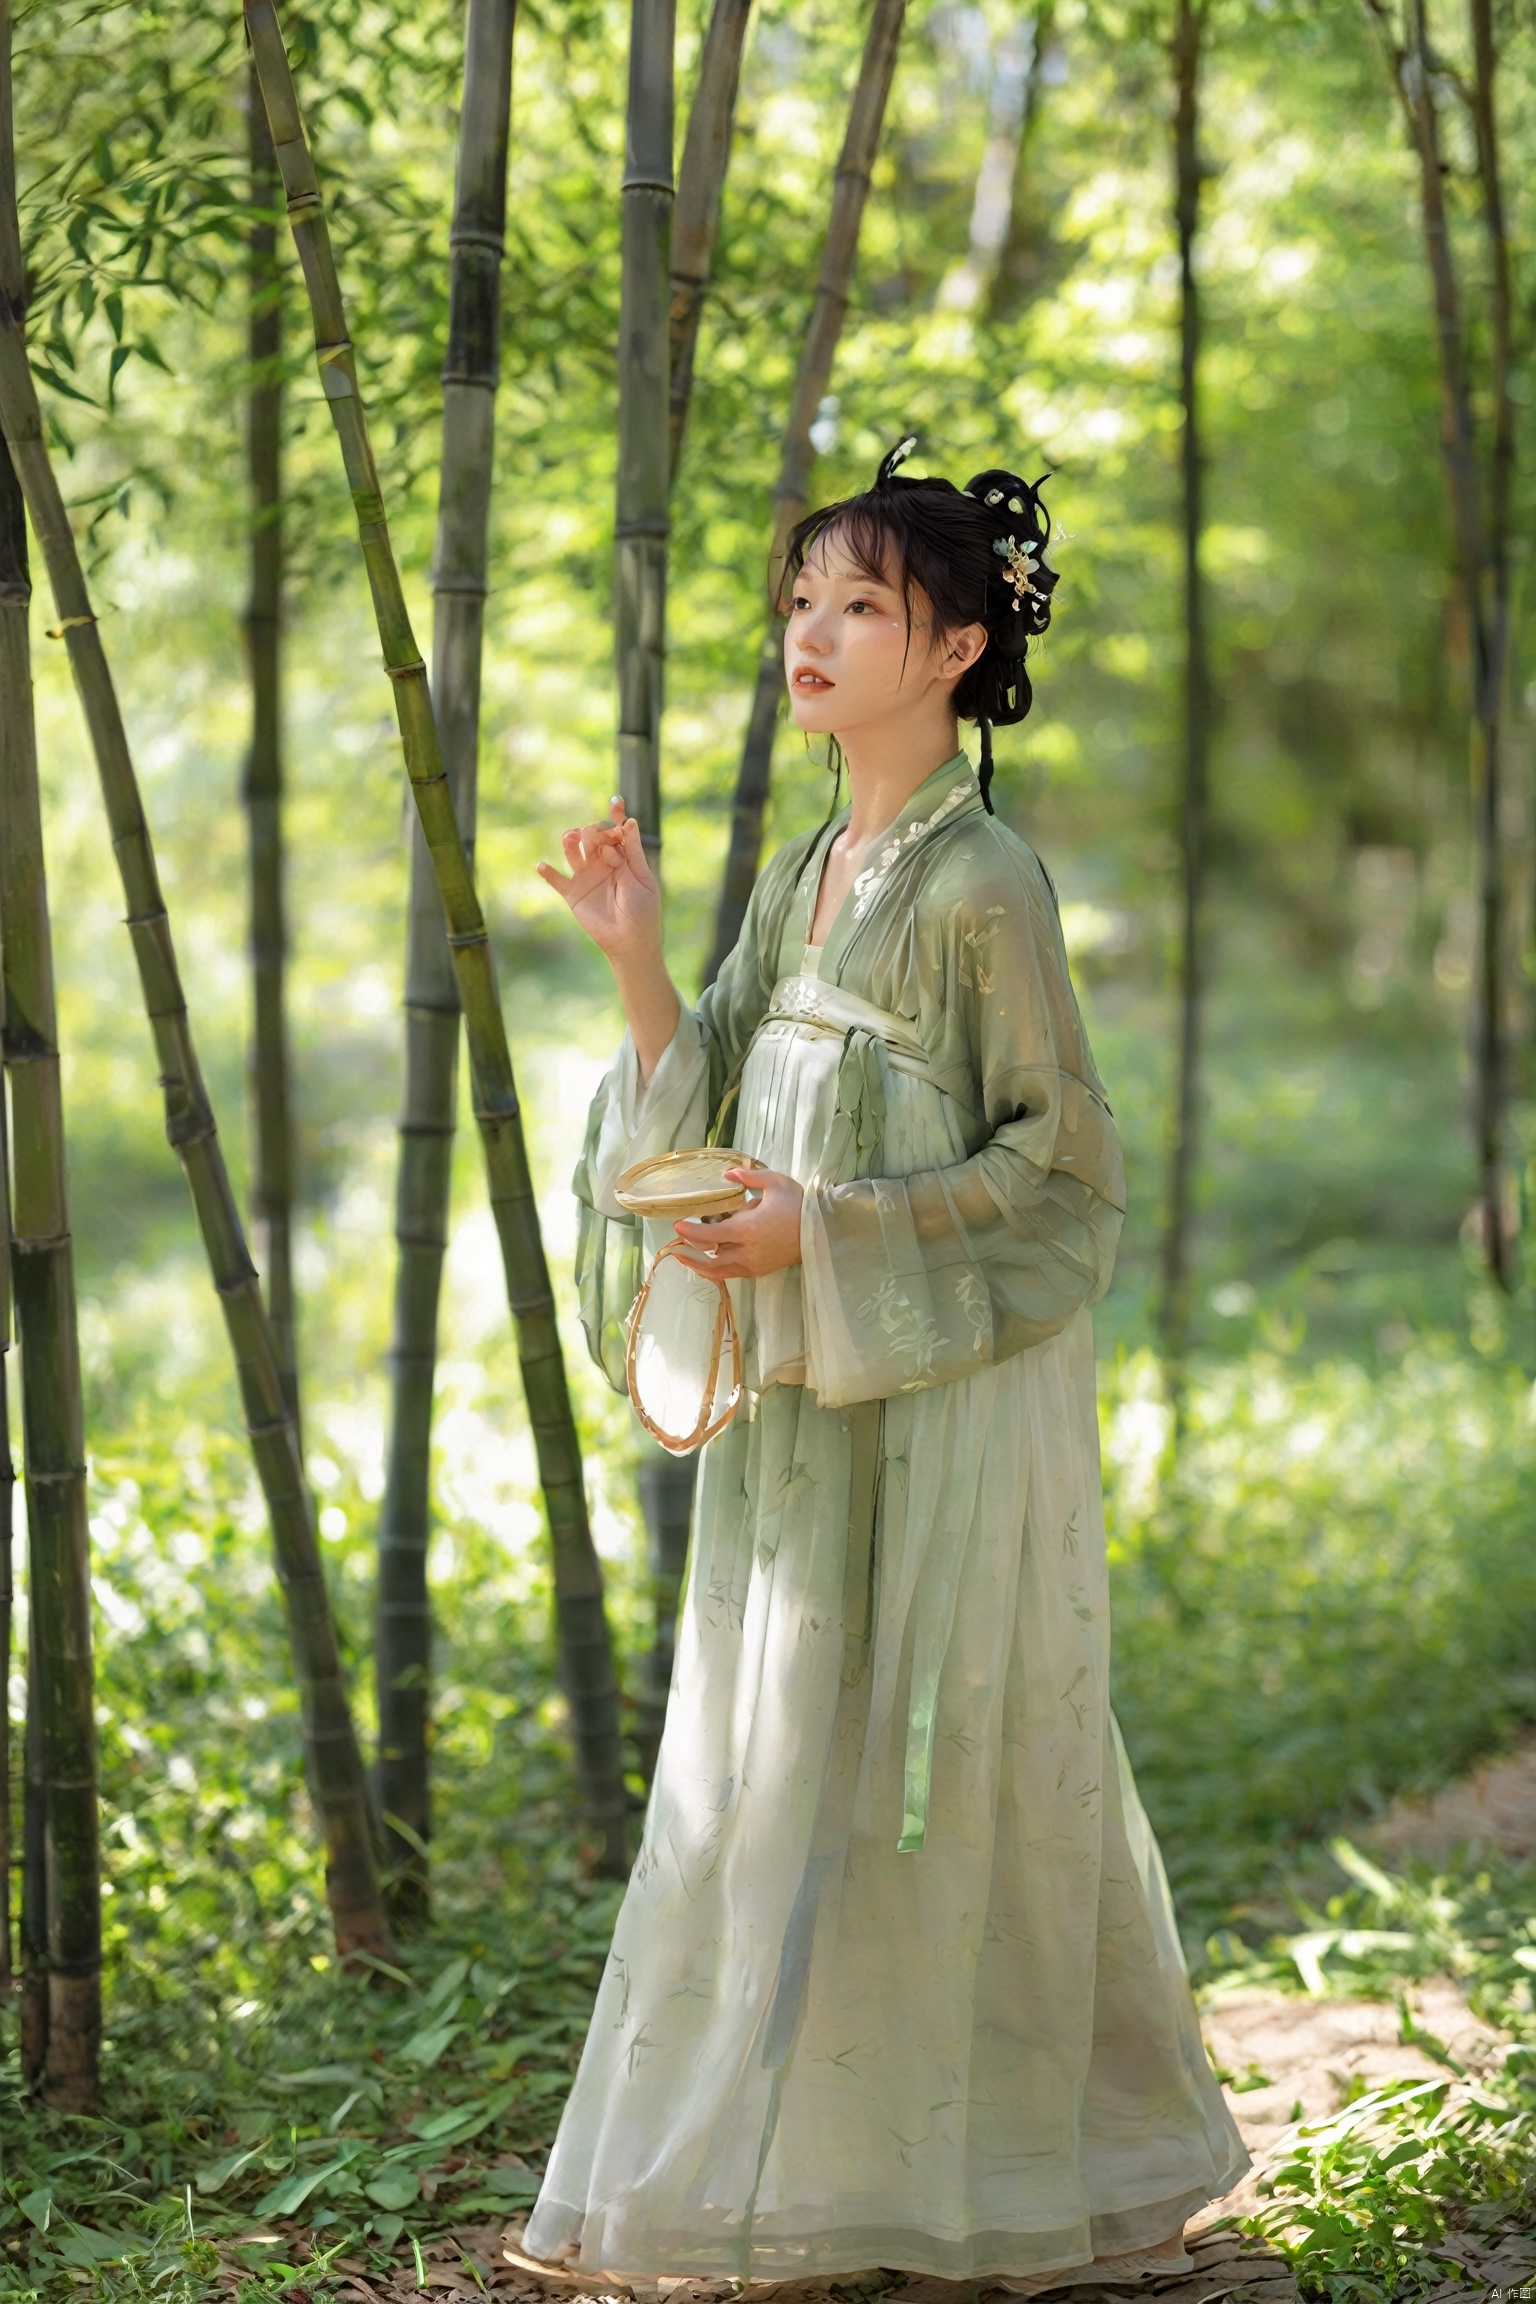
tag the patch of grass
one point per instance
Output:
(1328, 1597)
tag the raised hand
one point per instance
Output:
(609, 886)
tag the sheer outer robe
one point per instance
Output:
(896, 1980)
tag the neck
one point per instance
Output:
(887, 760)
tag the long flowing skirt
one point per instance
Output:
(896, 1980)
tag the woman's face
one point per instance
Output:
(849, 658)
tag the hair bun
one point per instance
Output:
(1019, 605)
(894, 458)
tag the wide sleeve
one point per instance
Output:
(675, 1109)
(914, 1281)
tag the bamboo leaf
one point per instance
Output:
(425, 2047)
(394, 2187)
(218, 2173)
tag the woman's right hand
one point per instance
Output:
(610, 887)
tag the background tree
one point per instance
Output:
(586, 1654)
(645, 437)
(664, 1482)
(1188, 39)
(403, 1622)
(337, 1783)
(272, 1161)
(850, 190)
(7, 1513)
(62, 1933)
(1479, 482)
(696, 212)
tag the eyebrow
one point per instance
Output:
(859, 577)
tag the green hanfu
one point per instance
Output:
(896, 1981)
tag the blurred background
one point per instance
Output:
(1326, 1593)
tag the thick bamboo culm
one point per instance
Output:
(666, 1482)
(7, 1641)
(272, 1164)
(338, 1785)
(403, 1631)
(12, 495)
(64, 1972)
(1183, 1138)
(696, 214)
(586, 1653)
(63, 2044)
(791, 495)
(643, 521)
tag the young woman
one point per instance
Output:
(896, 1981)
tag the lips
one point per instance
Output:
(811, 681)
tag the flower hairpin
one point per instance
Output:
(1023, 560)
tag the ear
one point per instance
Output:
(960, 650)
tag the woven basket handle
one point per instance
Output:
(725, 1326)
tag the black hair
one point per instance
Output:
(977, 555)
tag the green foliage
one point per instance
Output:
(1362, 2203)
(1369, 2203)
(1329, 1601)
(249, 2087)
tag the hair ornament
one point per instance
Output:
(897, 456)
(1022, 559)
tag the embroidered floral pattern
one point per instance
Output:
(870, 881)
(973, 943)
(976, 1304)
(911, 1334)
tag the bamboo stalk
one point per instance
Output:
(643, 516)
(64, 1920)
(403, 1636)
(850, 191)
(581, 1625)
(1183, 1148)
(15, 606)
(1018, 267)
(696, 216)
(10, 498)
(32, 1929)
(1490, 1068)
(666, 1482)
(1481, 542)
(272, 1179)
(338, 1786)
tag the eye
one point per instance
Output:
(799, 601)
(861, 608)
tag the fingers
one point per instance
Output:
(707, 1231)
(591, 843)
(561, 882)
(722, 1268)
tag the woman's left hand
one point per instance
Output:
(763, 1237)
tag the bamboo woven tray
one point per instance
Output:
(684, 1183)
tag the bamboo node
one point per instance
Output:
(469, 937)
(406, 671)
(328, 352)
(466, 237)
(69, 624)
(302, 204)
(651, 184)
